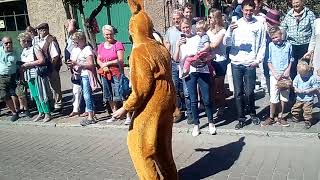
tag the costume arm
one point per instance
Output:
(142, 80)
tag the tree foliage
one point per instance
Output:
(285, 5)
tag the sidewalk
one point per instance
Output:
(224, 125)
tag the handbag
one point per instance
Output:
(124, 87)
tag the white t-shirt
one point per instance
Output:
(190, 48)
(220, 50)
(81, 57)
(27, 55)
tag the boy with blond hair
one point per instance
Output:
(305, 86)
(279, 63)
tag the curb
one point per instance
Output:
(220, 131)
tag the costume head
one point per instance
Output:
(140, 25)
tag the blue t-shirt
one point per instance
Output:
(304, 84)
(204, 39)
(280, 56)
(8, 62)
(172, 35)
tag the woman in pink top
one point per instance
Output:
(110, 56)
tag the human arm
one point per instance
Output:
(39, 59)
(295, 85)
(262, 41)
(314, 87)
(120, 54)
(206, 47)
(228, 39)
(177, 53)
(219, 39)
(273, 71)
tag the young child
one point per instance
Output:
(279, 63)
(305, 86)
(203, 49)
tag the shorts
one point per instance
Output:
(7, 86)
(21, 89)
(111, 89)
(220, 67)
(275, 94)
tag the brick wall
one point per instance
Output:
(52, 12)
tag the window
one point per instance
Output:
(14, 15)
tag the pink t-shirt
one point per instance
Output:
(110, 55)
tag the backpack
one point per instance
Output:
(46, 51)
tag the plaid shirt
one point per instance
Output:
(299, 33)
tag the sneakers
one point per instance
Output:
(189, 119)
(195, 131)
(239, 125)
(307, 125)
(27, 113)
(268, 122)
(212, 129)
(112, 119)
(14, 117)
(87, 122)
(127, 121)
(283, 122)
(255, 120)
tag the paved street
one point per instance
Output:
(28, 152)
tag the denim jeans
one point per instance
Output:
(177, 84)
(111, 89)
(183, 99)
(87, 93)
(244, 79)
(203, 80)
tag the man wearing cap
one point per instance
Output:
(52, 51)
(8, 69)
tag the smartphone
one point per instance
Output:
(183, 35)
(234, 19)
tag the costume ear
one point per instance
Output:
(136, 5)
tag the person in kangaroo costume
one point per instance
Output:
(152, 101)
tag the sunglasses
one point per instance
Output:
(6, 43)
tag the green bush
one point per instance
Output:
(285, 5)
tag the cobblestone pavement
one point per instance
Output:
(28, 152)
(224, 124)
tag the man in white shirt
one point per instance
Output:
(52, 52)
(247, 39)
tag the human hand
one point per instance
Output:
(254, 65)
(119, 113)
(308, 55)
(233, 26)
(181, 41)
(286, 73)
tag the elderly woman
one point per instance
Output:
(33, 58)
(187, 46)
(299, 24)
(81, 60)
(110, 60)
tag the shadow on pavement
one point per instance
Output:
(216, 160)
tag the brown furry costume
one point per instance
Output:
(152, 101)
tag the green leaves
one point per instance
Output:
(285, 5)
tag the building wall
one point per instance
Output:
(158, 14)
(52, 12)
